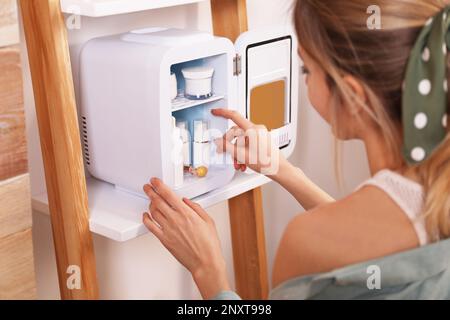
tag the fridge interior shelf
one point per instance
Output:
(181, 102)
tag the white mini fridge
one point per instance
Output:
(128, 110)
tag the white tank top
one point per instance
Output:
(407, 194)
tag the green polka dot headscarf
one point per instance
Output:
(425, 90)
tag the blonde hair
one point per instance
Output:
(335, 34)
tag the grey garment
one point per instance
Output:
(422, 273)
(227, 295)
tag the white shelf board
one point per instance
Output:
(117, 215)
(181, 102)
(102, 8)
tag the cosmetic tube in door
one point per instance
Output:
(177, 157)
(173, 86)
(182, 125)
(201, 144)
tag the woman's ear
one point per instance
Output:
(358, 91)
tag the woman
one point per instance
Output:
(386, 87)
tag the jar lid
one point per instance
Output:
(198, 73)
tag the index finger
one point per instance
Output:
(233, 116)
(167, 194)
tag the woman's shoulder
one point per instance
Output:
(366, 225)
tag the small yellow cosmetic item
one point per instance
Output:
(199, 172)
(202, 172)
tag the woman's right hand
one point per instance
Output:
(250, 145)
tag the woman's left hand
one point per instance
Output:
(189, 233)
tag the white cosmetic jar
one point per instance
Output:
(198, 82)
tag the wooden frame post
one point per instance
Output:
(246, 213)
(56, 111)
(249, 246)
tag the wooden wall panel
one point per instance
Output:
(17, 278)
(15, 205)
(13, 155)
(17, 267)
(9, 32)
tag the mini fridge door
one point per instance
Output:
(268, 73)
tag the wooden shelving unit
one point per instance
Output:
(110, 212)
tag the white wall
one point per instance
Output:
(141, 268)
